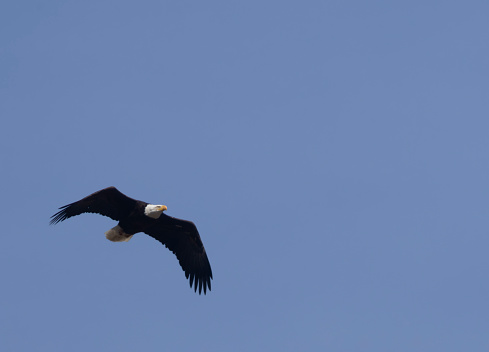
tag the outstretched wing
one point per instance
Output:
(108, 202)
(182, 238)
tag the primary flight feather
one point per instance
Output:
(179, 236)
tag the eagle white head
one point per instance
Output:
(154, 211)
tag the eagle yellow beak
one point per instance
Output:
(162, 208)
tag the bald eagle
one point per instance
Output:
(179, 236)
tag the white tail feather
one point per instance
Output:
(117, 234)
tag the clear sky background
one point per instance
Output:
(334, 156)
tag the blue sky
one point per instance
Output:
(334, 156)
